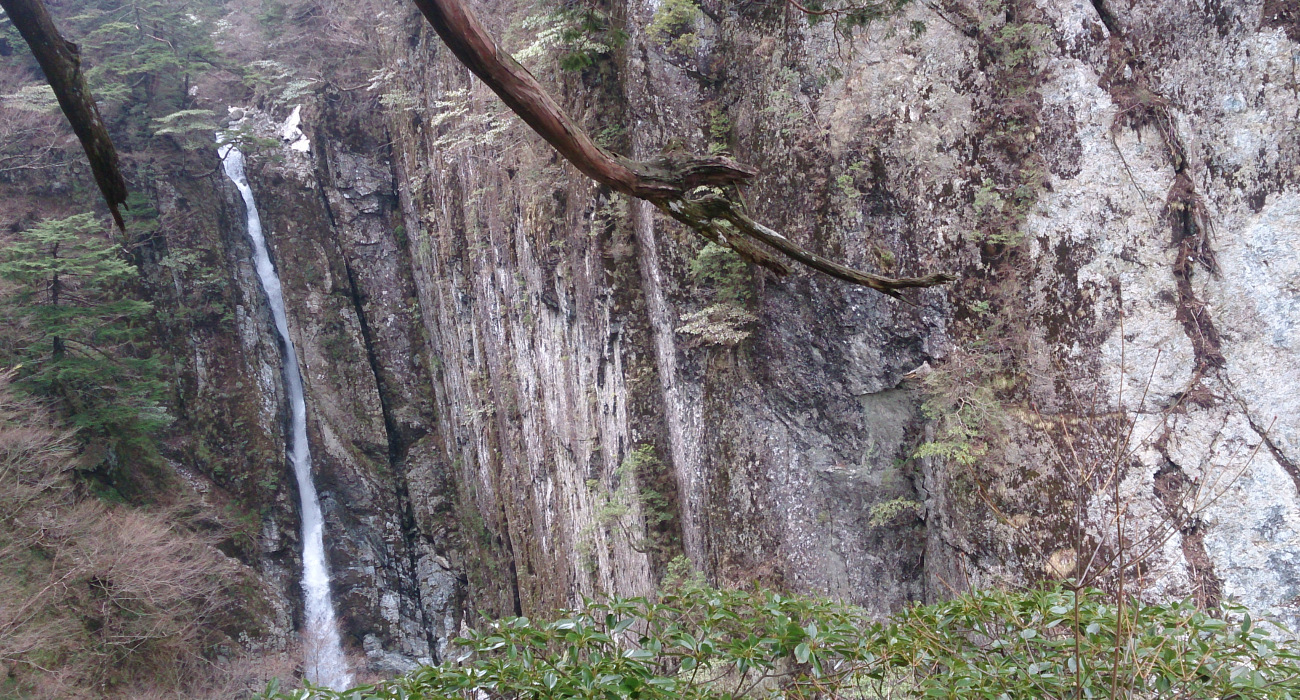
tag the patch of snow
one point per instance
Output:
(292, 131)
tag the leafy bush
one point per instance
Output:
(192, 128)
(720, 324)
(578, 37)
(721, 273)
(699, 642)
(673, 25)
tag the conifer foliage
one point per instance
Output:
(79, 329)
(144, 54)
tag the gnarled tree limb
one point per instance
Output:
(708, 208)
(670, 182)
(61, 61)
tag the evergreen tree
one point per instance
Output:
(78, 330)
(143, 56)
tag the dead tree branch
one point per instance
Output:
(690, 189)
(61, 61)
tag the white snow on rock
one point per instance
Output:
(291, 131)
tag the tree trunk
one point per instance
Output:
(61, 62)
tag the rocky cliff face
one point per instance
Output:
(524, 389)
(1111, 183)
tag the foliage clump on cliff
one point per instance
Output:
(696, 641)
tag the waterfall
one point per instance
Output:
(322, 648)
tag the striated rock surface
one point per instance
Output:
(1114, 186)
(524, 389)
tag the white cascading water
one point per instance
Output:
(323, 650)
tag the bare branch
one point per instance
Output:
(670, 181)
(710, 207)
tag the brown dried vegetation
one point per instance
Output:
(96, 600)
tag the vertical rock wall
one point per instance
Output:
(334, 232)
(524, 389)
(1082, 166)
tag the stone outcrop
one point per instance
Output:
(524, 389)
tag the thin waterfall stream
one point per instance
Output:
(322, 647)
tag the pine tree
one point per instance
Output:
(151, 48)
(141, 57)
(79, 332)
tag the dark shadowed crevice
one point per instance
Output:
(397, 444)
(514, 579)
(1284, 14)
(1189, 229)
(397, 450)
(1108, 18)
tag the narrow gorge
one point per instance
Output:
(323, 652)
(476, 383)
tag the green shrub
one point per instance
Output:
(192, 128)
(577, 37)
(850, 15)
(695, 641)
(673, 25)
(722, 272)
